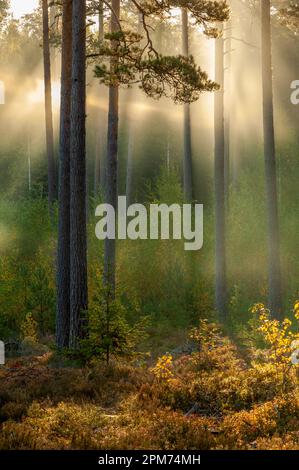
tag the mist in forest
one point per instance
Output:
(23, 81)
(151, 137)
(131, 131)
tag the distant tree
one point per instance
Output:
(227, 104)
(219, 176)
(288, 13)
(131, 141)
(275, 289)
(112, 148)
(63, 257)
(78, 236)
(99, 163)
(187, 160)
(130, 166)
(176, 77)
(4, 9)
(55, 36)
(48, 105)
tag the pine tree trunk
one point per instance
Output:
(112, 164)
(63, 258)
(220, 255)
(187, 162)
(168, 154)
(129, 175)
(275, 290)
(78, 238)
(131, 136)
(227, 102)
(53, 49)
(48, 106)
(99, 163)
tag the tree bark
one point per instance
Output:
(130, 159)
(274, 269)
(99, 163)
(112, 164)
(187, 162)
(63, 257)
(48, 106)
(227, 102)
(131, 136)
(220, 254)
(53, 49)
(78, 237)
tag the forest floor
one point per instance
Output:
(211, 398)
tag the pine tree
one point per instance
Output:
(112, 149)
(63, 258)
(275, 289)
(99, 163)
(158, 75)
(4, 9)
(78, 236)
(48, 106)
(220, 248)
(187, 161)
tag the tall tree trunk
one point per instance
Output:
(168, 154)
(29, 162)
(63, 257)
(48, 106)
(129, 175)
(78, 238)
(131, 137)
(187, 163)
(54, 31)
(112, 149)
(98, 164)
(220, 255)
(227, 103)
(275, 290)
